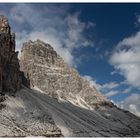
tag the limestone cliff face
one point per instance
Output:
(47, 71)
(9, 65)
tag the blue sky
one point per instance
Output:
(102, 41)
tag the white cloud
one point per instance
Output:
(52, 24)
(90, 24)
(92, 82)
(106, 89)
(132, 104)
(126, 59)
(131, 41)
(127, 90)
(110, 85)
(138, 18)
(111, 93)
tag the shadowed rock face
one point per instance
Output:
(9, 65)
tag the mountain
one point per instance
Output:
(52, 100)
(47, 71)
(9, 65)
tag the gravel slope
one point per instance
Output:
(32, 113)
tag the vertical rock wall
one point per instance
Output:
(9, 65)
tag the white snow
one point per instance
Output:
(38, 89)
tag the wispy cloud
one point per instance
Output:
(110, 85)
(127, 90)
(111, 93)
(92, 81)
(126, 59)
(131, 103)
(108, 89)
(53, 24)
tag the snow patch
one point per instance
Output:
(38, 89)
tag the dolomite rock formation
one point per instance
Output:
(60, 102)
(9, 65)
(76, 108)
(46, 70)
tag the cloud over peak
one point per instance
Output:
(54, 24)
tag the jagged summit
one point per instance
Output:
(37, 42)
(42, 50)
(9, 66)
(4, 25)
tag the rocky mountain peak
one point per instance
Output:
(47, 71)
(9, 65)
(4, 25)
(43, 53)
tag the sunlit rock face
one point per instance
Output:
(9, 65)
(4, 25)
(47, 71)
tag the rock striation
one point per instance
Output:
(9, 64)
(46, 70)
